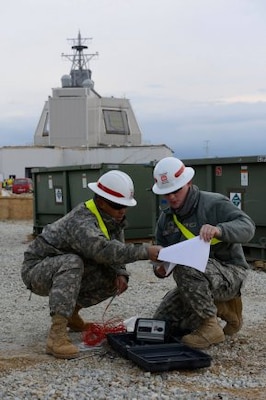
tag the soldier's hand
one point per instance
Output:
(207, 232)
(159, 270)
(121, 284)
(154, 252)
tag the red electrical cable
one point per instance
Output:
(97, 332)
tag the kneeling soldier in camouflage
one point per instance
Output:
(198, 298)
(79, 260)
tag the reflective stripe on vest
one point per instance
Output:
(188, 234)
(92, 207)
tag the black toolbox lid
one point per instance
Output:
(158, 357)
(166, 357)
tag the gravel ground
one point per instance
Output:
(237, 370)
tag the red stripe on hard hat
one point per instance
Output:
(109, 191)
(179, 172)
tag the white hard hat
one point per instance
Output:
(171, 174)
(115, 186)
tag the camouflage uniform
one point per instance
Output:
(72, 261)
(192, 300)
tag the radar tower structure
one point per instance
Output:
(80, 72)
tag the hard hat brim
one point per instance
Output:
(186, 177)
(125, 202)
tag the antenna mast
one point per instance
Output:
(80, 61)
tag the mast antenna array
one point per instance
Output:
(79, 59)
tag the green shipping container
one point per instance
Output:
(58, 190)
(243, 180)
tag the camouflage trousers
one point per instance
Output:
(193, 299)
(67, 282)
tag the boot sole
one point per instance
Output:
(230, 330)
(50, 352)
(206, 345)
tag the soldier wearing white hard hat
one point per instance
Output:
(192, 307)
(80, 259)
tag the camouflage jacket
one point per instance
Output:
(78, 232)
(209, 208)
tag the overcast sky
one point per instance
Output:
(194, 70)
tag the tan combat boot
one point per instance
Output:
(231, 312)
(58, 343)
(207, 334)
(76, 323)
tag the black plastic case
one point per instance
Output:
(158, 357)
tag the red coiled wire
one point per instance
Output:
(96, 332)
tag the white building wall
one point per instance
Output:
(134, 137)
(116, 155)
(68, 121)
(39, 139)
(15, 160)
(76, 118)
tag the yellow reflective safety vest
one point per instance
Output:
(92, 207)
(187, 233)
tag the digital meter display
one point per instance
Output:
(150, 330)
(144, 329)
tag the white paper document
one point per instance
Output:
(193, 253)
